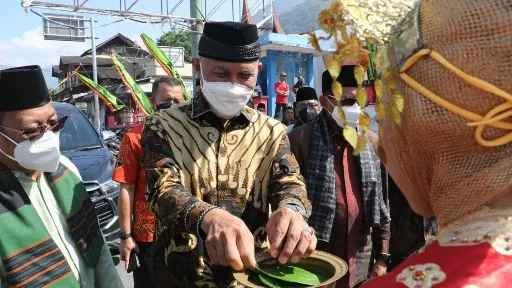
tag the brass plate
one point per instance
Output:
(319, 262)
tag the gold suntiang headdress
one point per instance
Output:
(443, 92)
(370, 21)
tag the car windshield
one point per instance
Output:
(78, 133)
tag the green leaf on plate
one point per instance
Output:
(271, 282)
(254, 277)
(291, 274)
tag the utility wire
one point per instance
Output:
(31, 47)
(204, 19)
(216, 9)
(175, 7)
(251, 10)
(216, 5)
(113, 22)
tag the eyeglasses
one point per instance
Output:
(307, 104)
(36, 131)
(346, 100)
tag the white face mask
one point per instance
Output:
(351, 114)
(226, 98)
(42, 154)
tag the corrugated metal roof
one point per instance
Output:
(101, 60)
(125, 39)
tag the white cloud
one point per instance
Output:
(31, 49)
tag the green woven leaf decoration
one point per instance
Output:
(291, 274)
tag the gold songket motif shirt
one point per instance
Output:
(193, 163)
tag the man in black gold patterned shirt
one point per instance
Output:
(214, 166)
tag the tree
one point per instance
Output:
(177, 39)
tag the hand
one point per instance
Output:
(379, 268)
(299, 243)
(229, 242)
(125, 249)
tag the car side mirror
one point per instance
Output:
(107, 135)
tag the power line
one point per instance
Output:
(208, 14)
(109, 12)
(175, 7)
(216, 9)
(113, 22)
(31, 47)
(251, 10)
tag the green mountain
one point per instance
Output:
(282, 6)
(303, 17)
(296, 16)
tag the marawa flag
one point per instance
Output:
(164, 61)
(111, 101)
(138, 95)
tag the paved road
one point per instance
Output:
(125, 277)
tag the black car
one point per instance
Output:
(80, 142)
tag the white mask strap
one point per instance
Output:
(9, 138)
(10, 157)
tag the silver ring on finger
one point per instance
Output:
(309, 229)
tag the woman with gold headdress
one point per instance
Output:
(445, 108)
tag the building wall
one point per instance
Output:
(153, 69)
(276, 62)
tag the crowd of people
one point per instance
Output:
(208, 184)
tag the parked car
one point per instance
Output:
(80, 142)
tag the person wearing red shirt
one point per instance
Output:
(282, 91)
(136, 222)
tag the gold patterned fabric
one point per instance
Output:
(192, 163)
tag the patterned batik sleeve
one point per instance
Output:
(128, 162)
(173, 205)
(286, 183)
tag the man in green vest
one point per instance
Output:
(49, 232)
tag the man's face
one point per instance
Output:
(262, 110)
(348, 99)
(23, 120)
(218, 71)
(283, 78)
(167, 93)
(308, 103)
(289, 115)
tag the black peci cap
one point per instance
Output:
(346, 78)
(230, 42)
(306, 93)
(22, 88)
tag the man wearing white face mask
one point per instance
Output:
(213, 166)
(49, 232)
(349, 210)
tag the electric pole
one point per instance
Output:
(197, 29)
(97, 124)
